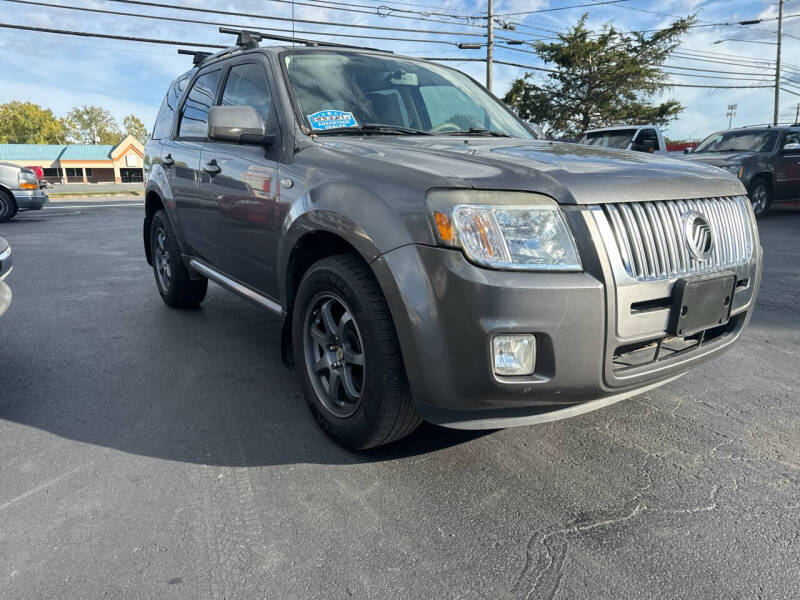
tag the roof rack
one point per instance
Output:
(198, 55)
(249, 39)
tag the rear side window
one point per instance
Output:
(247, 86)
(201, 97)
(163, 126)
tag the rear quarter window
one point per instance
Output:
(166, 114)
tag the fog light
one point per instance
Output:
(514, 354)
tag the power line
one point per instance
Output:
(295, 20)
(108, 36)
(216, 23)
(545, 10)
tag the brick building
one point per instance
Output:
(80, 163)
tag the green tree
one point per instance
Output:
(134, 126)
(599, 79)
(93, 125)
(28, 123)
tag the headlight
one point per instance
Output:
(504, 230)
(735, 169)
(27, 181)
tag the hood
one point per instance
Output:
(719, 158)
(570, 173)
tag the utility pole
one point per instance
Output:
(490, 42)
(778, 65)
(731, 113)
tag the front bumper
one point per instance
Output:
(30, 199)
(446, 311)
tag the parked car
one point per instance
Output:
(19, 190)
(429, 258)
(5, 268)
(765, 159)
(640, 138)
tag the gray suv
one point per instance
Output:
(429, 257)
(765, 159)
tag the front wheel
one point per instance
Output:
(348, 357)
(760, 197)
(8, 208)
(174, 282)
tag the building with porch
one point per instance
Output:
(80, 163)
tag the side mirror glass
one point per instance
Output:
(792, 147)
(238, 124)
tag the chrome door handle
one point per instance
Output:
(168, 161)
(212, 168)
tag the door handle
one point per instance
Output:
(212, 168)
(168, 161)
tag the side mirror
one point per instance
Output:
(239, 124)
(793, 147)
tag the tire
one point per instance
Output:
(760, 196)
(340, 315)
(173, 280)
(8, 208)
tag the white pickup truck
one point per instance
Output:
(642, 138)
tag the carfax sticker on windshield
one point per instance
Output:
(331, 119)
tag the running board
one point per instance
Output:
(235, 286)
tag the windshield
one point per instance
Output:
(336, 91)
(618, 138)
(739, 141)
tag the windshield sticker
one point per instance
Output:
(331, 119)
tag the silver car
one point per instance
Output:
(20, 189)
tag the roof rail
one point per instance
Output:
(249, 39)
(198, 55)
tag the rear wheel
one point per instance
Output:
(760, 197)
(174, 282)
(8, 208)
(348, 357)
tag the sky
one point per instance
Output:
(59, 72)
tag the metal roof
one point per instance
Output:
(53, 152)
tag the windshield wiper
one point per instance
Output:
(477, 131)
(379, 128)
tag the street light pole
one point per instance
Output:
(490, 43)
(778, 65)
(730, 114)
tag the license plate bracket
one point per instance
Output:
(699, 304)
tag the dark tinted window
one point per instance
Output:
(163, 126)
(646, 135)
(754, 140)
(195, 111)
(247, 86)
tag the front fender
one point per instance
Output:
(358, 216)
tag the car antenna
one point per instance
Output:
(198, 55)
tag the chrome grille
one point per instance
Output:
(651, 236)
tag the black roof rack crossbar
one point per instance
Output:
(249, 39)
(198, 55)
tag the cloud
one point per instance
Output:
(59, 72)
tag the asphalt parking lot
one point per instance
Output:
(148, 452)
